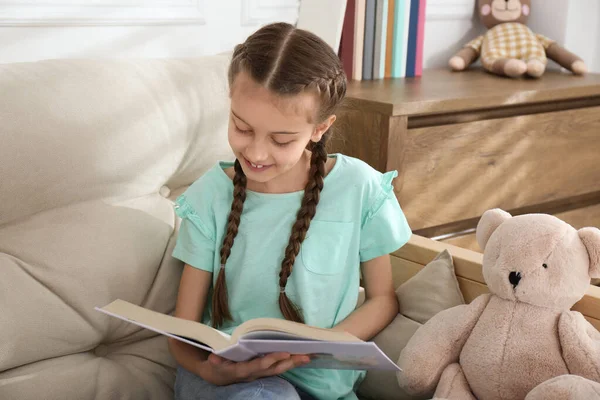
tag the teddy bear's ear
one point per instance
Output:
(489, 222)
(591, 239)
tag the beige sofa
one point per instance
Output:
(92, 154)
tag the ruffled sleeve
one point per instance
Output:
(195, 243)
(384, 227)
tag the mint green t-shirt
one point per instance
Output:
(358, 218)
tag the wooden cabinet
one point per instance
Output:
(466, 142)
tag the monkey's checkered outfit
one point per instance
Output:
(510, 40)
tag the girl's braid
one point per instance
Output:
(220, 305)
(305, 214)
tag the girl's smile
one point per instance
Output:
(256, 167)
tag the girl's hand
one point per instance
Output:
(220, 371)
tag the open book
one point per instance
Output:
(257, 337)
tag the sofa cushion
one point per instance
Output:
(92, 154)
(80, 130)
(60, 264)
(131, 370)
(433, 289)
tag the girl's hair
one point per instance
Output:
(287, 61)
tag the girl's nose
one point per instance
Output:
(256, 152)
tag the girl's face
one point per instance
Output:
(269, 134)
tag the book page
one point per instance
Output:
(327, 355)
(191, 330)
(292, 328)
(271, 335)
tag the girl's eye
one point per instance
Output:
(281, 144)
(242, 131)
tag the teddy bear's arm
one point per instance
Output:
(437, 344)
(467, 55)
(562, 56)
(580, 343)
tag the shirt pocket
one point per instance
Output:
(327, 247)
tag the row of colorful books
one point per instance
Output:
(383, 39)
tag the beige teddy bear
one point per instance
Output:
(521, 341)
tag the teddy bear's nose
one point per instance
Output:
(514, 278)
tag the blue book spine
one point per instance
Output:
(411, 53)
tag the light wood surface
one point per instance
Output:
(366, 146)
(579, 218)
(465, 241)
(419, 251)
(422, 250)
(508, 163)
(443, 91)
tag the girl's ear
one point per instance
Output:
(321, 128)
(526, 10)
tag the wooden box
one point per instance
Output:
(466, 142)
(419, 251)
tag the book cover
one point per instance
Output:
(359, 37)
(420, 38)
(389, 41)
(369, 42)
(405, 30)
(411, 51)
(328, 349)
(399, 45)
(380, 39)
(347, 41)
(324, 18)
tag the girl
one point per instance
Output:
(282, 231)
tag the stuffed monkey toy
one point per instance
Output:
(509, 47)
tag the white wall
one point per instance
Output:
(573, 24)
(33, 30)
(131, 28)
(450, 24)
(596, 63)
(583, 31)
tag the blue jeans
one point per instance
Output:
(189, 386)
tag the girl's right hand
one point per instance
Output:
(220, 372)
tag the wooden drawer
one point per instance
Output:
(455, 172)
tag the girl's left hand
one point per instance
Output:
(261, 367)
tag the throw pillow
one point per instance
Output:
(433, 289)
